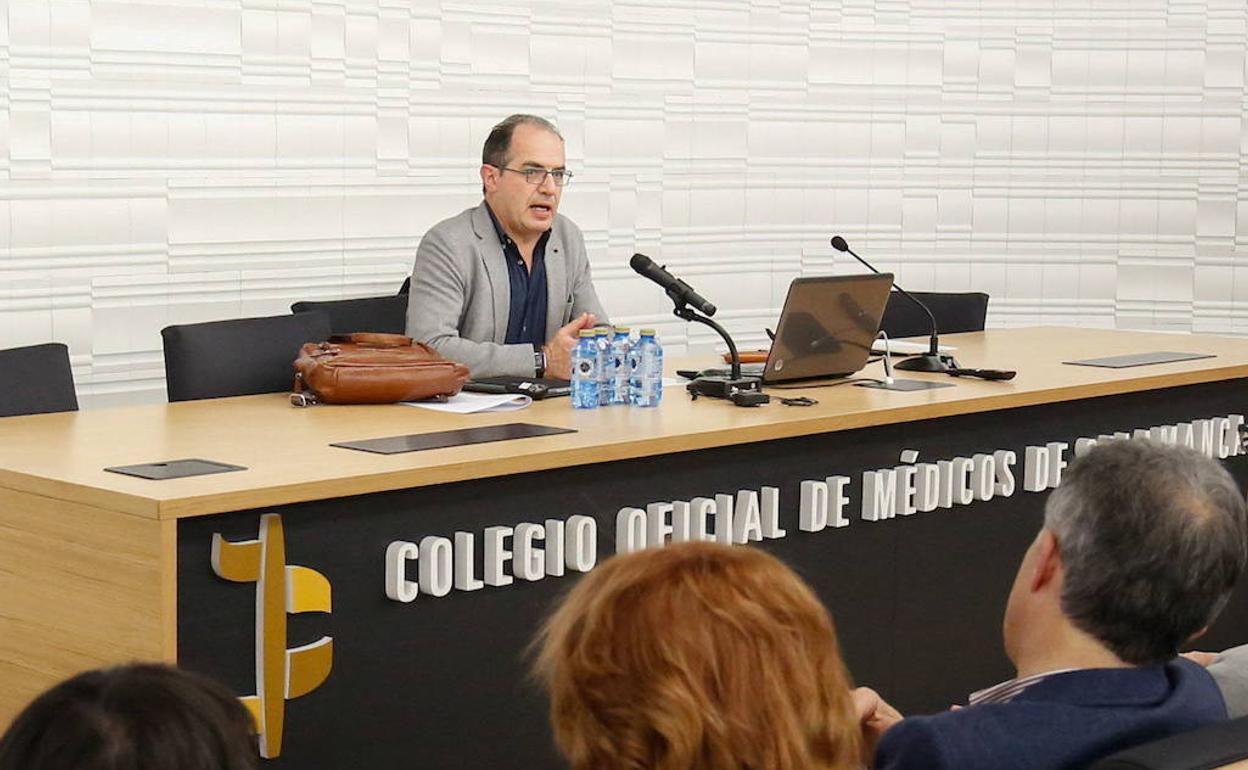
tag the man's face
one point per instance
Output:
(1024, 605)
(524, 210)
(1010, 626)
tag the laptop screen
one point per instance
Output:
(827, 326)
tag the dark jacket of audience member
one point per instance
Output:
(1066, 721)
(134, 717)
(1140, 548)
(697, 657)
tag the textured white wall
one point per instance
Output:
(1084, 161)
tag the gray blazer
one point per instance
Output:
(1230, 671)
(461, 296)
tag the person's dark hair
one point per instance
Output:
(498, 143)
(1152, 539)
(135, 717)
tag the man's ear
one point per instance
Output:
(1048, 564)
(489, 177)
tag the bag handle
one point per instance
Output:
(374, 340)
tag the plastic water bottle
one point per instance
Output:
(648, 376)
(652, 362)
(620, 346)
(585, 371)
(634, 372)
(602, 338)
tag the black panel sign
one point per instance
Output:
(899, 384)
(417, 442)
(442, 682)
(1140, 359)
(175, 469)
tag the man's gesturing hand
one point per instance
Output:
(558, 349)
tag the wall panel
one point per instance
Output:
(166, 162)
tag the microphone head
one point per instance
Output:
(839, 243)
(640, 262)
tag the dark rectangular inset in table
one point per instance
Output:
(175, 469)
(1140, 359)
(417, 442)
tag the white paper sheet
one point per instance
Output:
(472, 403)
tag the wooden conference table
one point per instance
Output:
(97, 567)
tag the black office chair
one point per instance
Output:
(955, 312)
(406, 287)
(239, 357)
(368, 314)
(36, 380)
(1218, 746)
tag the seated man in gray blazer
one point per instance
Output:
(1229, 669)
(505, 287)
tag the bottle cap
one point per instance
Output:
(588, 333)
(622, 330)
(601, 330)
(647, 332)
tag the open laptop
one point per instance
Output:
(826, 328)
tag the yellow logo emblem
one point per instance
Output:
(281, 589)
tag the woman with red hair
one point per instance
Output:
(697, 657)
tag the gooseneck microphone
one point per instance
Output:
(742, 391)
(680, 292)
(930, 361)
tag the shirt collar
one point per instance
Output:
(1009, 690)
(503, 237)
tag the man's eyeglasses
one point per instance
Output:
(537, 176)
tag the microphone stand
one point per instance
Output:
(931, 361)
(742, 391)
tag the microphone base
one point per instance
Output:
(723, 387)
(924, 363)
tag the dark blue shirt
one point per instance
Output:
(526, 320)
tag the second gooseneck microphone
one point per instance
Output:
(680, 292)
(932, 361)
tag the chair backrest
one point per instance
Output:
(407, 286)
(238, 357)
(1221, 746)
(369, 314)
(35, 380)
(955, 312)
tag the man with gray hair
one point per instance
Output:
(1140, 548)
(505, 287)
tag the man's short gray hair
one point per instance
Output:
(1152, 539)
(498, 143)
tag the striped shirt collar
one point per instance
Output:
(1008, 691)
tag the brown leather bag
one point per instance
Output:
(372, 368)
